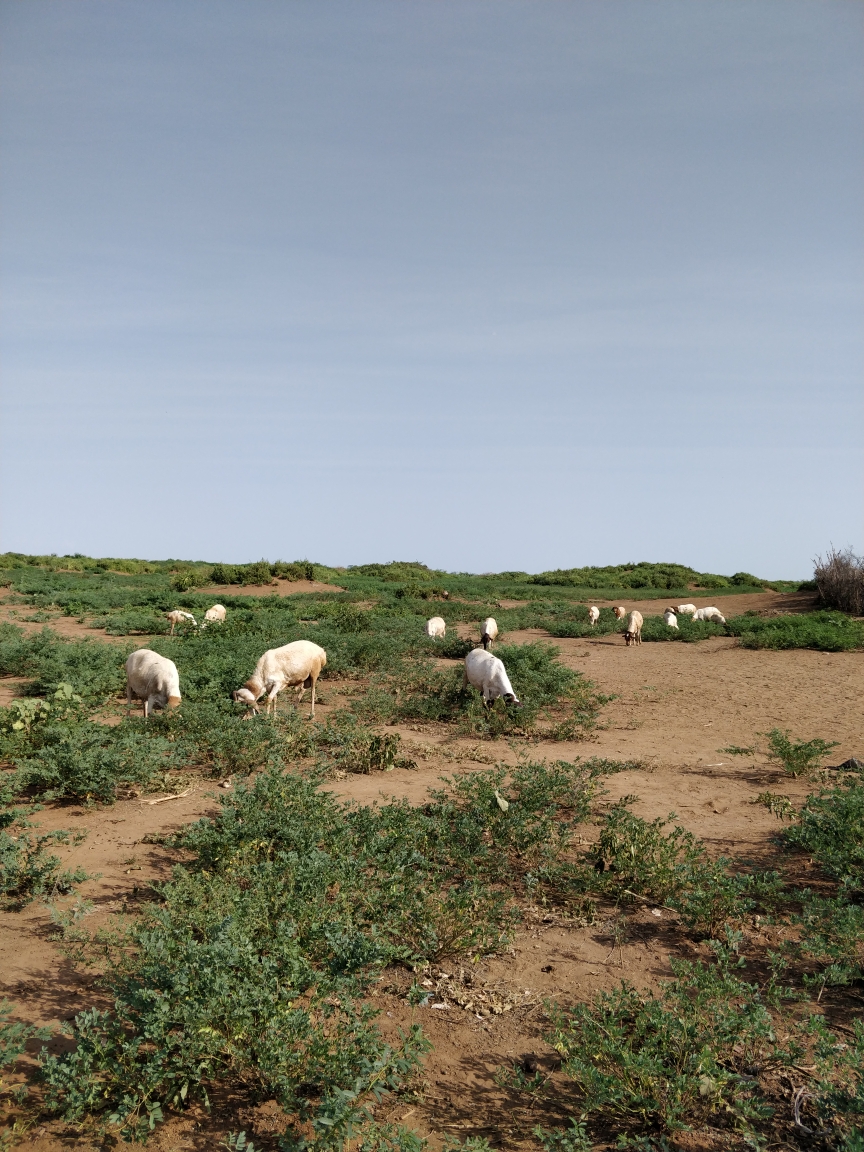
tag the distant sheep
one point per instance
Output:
(670, 618)
(488, 632)
(295, 665)
(214, 615)
(633, 632)
(178, 616)
(688, 609)
(153, 679)
(436, 628)
(488, 674)
(712, 614)
(593, 615)
(620, 612)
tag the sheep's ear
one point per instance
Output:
(173, 701)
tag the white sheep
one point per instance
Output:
(214, 615)
(620, 612)
(689, 609)
(153, 679)
(712, 614)
(178, 616)
(633, 632)
(487, 673)
(670, 618)
(295, 665)
(436, 628)
(488, 632)
(593, 615)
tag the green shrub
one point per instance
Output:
(257, 573)
(665, 1063)
(26, 869)
(824, 631)
(797, 757)
(831, 830)
(248, 972)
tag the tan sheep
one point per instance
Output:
(296, 665)
(633, 632)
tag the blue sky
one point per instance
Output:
(489, 285)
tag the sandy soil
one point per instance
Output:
(676, 706)
(276, 588)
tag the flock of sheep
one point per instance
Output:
(155, 679)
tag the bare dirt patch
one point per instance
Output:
(275, 588)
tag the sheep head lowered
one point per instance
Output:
(244, 695)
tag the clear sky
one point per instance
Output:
(489, 285)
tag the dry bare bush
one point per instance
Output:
(840, 580)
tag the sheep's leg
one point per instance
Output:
(313, 699)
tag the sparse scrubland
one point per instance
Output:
(252, 974)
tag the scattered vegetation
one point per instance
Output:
(795, 757)
(251, 973)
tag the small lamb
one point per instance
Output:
(436, 628)
(214, 615)
(593, 615)
(488, 674)
(689, 609)
(153, 679)
(620, 612)
(670, 618)
(488, 632)
(296, 665)
(712, 614)
(178, 616)
(633, 633)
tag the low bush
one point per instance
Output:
(831, 830)
(248, 971)
(701, 1053)
(840, 580)
(642, 858)
(26, 868)
(824, 631)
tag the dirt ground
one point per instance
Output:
(676, 707)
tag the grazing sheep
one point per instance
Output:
(214, 615)
(593, 615)
(633, 633)
(295, 665)
(689, 609)
(153, 679)
(436, 628)
(488, 674)
(712, 614)
(488, 632)
(620, 612)
(177, 616)
(670, 618)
